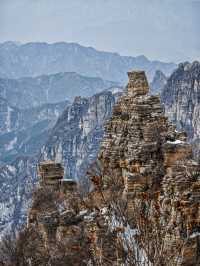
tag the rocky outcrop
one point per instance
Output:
(143, 151)
(181, 97)
(60, 216)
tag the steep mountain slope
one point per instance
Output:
(34, 59)
(181, 97)
(24, 131)
(28, 91)
(75, 139)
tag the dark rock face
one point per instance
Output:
(75, 139)
(158, 82)
(34, 91)
(34, 59)
(181, 97)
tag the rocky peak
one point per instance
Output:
(133, 136)
(137, 84)
(143, 150)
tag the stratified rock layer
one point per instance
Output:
(59, 216)
(145, 152)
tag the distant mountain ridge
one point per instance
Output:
(28, 92)
(35, 59)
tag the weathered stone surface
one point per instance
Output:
(84, 232)
(143, 150)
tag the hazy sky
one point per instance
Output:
(160, 29)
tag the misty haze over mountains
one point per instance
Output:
(161, 30)
(34, 59)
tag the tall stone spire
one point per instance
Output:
(142, 150)
(138, 84)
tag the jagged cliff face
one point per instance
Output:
(181, 97)
(75, 139)
(143, 151)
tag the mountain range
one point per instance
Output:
(36, 59)
(34, 91)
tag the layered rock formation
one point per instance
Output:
(142, 149)
(60, 217)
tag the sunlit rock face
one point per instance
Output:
(143, 150)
